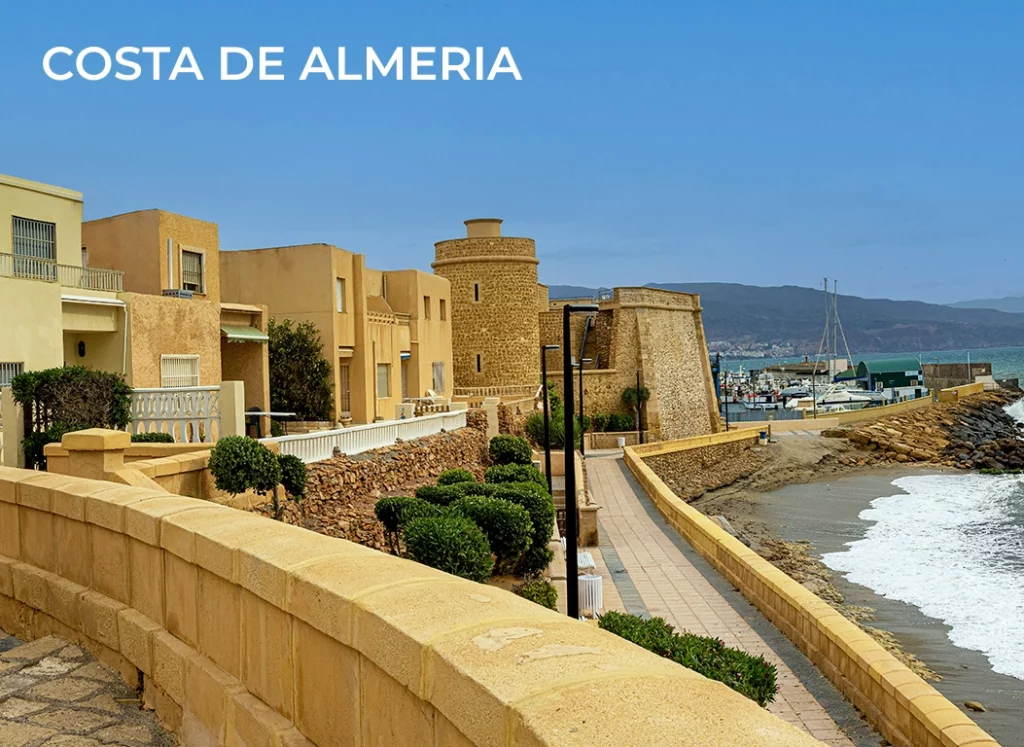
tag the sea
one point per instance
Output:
(952, 545)
(1007, 363)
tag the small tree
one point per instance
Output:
(300, 376)
(239, 463)
(635, 398)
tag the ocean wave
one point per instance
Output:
(1016, 411)
(952, 546)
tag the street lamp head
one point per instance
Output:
(546, 348)
(582, 308)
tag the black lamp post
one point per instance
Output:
(583, 427)
(639, 411)
(572, 581)
(547, 430)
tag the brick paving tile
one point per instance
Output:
(53, 694)
(671, 587)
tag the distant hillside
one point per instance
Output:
(1009, 304)
(747, 314)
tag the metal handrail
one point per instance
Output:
(69, 276)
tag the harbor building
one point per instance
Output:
(897, 378)
(386, 334)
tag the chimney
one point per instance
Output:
(483, 228)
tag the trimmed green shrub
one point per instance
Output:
(453, 476)
(556, 429)
(506, 525)
(748, 675)
(541, 508)
(538, 590)
(618, 423)
(600, 422)
(293, 474)
(501, 473)
(238, 463)
(395, 512)
(452, 544)
(152, 438)
(276, 429)
(506, 449)
(476, 488)
(441, 495)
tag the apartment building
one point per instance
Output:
(386, 334)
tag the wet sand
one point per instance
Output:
(826, 513)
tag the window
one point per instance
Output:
(439, 376)
(34, 238)
(339, 294)
(479, 367)
(346, 391)
(444, 310)
(426, 307)
(476, 291)
(179, 370)
(8, 371)
(192, 271)
(383, 380)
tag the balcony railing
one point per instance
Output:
(69, 276)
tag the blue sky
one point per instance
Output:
(757, 142)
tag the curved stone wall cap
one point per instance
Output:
(96, 439)
(483, 220)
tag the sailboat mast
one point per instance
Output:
(828, 314)
(835, 325)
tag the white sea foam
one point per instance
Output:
(953, 547)
(1016, 411)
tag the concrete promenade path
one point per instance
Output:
(55, 694)
(653, 575)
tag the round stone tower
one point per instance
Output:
(495, 327)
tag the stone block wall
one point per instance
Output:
(246, 631)
(690, 473)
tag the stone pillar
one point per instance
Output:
(232, 409)
(95, 453)
(14, 429)
(490, 407)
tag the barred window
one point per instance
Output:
(34, 238)
(8, 371)
(192, 271)
(179, 370)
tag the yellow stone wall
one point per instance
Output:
(44, 202)
(903, 707)
(248, 631)
(500, 327)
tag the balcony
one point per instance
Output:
(68, 276)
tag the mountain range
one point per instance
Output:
(746, 315)
(1011, 304)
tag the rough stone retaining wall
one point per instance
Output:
(243, 631)
(691, 472)
(903, 707)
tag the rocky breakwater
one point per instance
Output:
(341, 492)
(975, 433)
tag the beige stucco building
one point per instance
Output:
(386, 334)
(501, 316)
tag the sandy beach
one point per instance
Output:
(823, 515)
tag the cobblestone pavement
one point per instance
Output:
(54, 693)
(662, 580)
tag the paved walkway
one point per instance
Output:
(664, 583)
(53, 693)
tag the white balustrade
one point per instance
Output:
(320, 445)
(191, 414)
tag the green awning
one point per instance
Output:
(237, 333)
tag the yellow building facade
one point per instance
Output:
(386, 334)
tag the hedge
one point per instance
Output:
(748, 675)
(450, 543)
(154, 437)
(506, 525)
(501, 473)
(538, 590)
(395, 513)
(453, 476)
(440, 495)
(506, 449)
(541, 508)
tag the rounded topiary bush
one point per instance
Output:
(152, 438)
(395, 513)
(501, 473)
(441, 495)
(238, 464)
(541, 508)
(293, 474)
(510, 450)
(453, 476)
(538, 590)
(450, 543)
(506, 525)
(476, 488)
